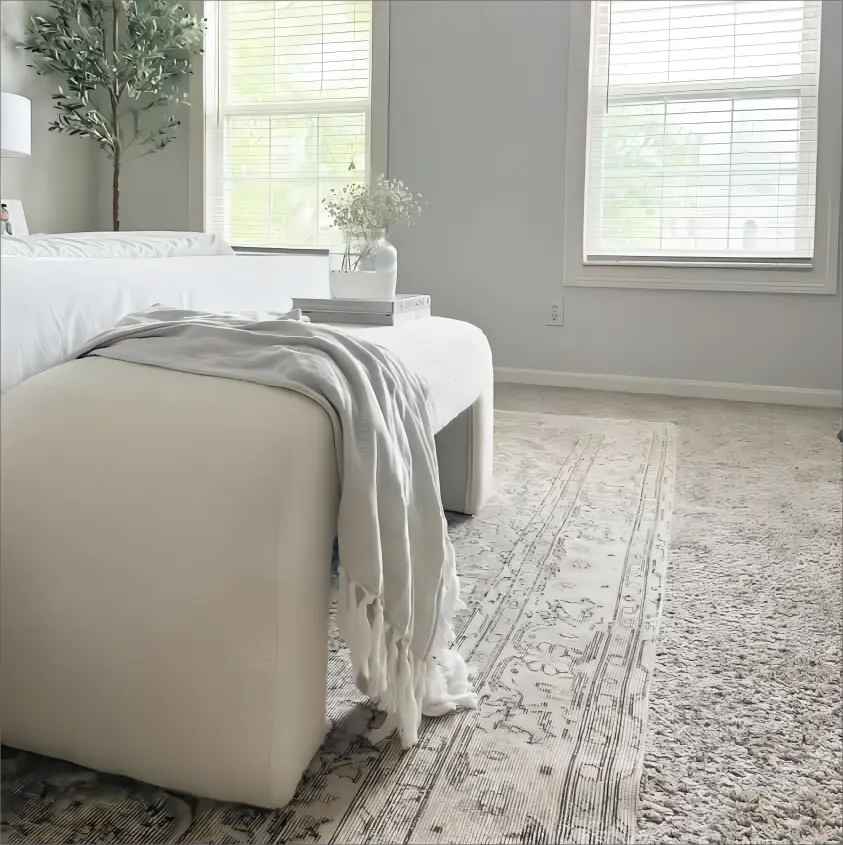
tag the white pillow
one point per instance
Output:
(114, 245)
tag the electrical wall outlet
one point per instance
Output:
(554, 313)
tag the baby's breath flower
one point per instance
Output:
(365, 213)
(362, 212)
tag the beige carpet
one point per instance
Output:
(745, 725)
(564, 577)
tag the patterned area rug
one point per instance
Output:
(563, 574)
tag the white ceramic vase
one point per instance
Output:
(363, 284)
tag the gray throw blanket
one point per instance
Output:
(398, 581)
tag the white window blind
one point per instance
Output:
(291, 117)
(702, 132)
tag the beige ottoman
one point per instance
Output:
(165, 562)
(158, 619)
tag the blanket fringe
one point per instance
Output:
(385, 668)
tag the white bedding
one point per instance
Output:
(114, 245)
(51, 306)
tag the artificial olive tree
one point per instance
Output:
(122, 62)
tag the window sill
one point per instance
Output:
(704, 264)
(790, 283)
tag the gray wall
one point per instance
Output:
(59, 183)
(153, 190)
(477, 124)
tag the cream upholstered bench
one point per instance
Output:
(165, 561)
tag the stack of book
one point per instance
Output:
(405, 308)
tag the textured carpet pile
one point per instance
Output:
(745, 723)
(745, 719)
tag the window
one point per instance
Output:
(294, 106)
(710, 155)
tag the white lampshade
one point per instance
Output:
(15, 126)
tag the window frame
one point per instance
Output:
(819, 276)
(205, 114)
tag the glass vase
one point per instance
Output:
(366, 269)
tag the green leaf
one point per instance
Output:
(146, 70)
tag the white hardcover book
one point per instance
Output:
(402, 302)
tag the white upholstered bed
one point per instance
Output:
(173, 628)
(51, 306)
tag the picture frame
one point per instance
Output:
(12, 218)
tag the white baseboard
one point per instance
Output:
(729, 391)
